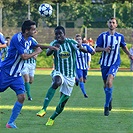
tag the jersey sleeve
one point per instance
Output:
(34, 42)
(2, 39)
(122, 43)
(90, 49)
(17, 42)
(99, 41)
(74, 44)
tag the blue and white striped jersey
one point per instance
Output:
(2, 41)
(13, 63)
(115, 42)
(83, 58)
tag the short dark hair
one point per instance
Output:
(78, 35)
(7, 37)
(60, 28)
(27, 25)
(113, 18)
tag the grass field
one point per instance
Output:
(80, 115)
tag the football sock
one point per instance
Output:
(60, 106)
(48, 97)
(108, 93)
(27, 88)
(15, 111)
(82, 87)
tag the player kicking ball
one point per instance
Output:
(63, 75)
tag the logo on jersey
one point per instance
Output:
(64, 55)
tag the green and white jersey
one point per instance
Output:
(30, 60)
(65, 57)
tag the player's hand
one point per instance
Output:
(107, 49)
(130, 57)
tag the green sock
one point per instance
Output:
(27, 88)
(60, 106)
(48, 97)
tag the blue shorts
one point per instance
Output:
(15, 83)
(81, 73)
(106, 70)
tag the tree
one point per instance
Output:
(93, 15)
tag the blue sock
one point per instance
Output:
(108, 93)
(81, 84)
(15, 111)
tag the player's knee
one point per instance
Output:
(56, 84)
(21, 98)
(109, 84)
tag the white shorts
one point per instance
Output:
(67, 83)
(29, 69)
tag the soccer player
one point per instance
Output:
(28, 72)
(10, 70)
(82, 67)
(109, 44)
(63, 74)
(2, 45)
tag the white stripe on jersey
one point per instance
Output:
(113, 41)
(82, 59)
(15, 64)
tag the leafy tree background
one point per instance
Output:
(94, 15)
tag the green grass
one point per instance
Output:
(80, 115)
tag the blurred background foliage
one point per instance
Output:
(94, 13)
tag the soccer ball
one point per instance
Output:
(45, 10)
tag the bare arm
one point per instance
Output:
(3, 45)
(50, 51)
(93, 52)
(27, 56)
(46, 47)
(125, 49)
(83, 49)
(99, 49)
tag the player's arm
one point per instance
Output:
(50, 52)
(100, 49)
(27, 56)
(91, 50)
(83, 49)
(125, 49)
(3, 45)
(47, 47)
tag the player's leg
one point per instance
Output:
(81, 82)
(84, 80)
(66, 90)
(108, 93)
(57, 81)
(104, 71)
(29, 82)
(25, 73)
(109, 88)
(18, 86)
(27, 85)
(60, 107)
